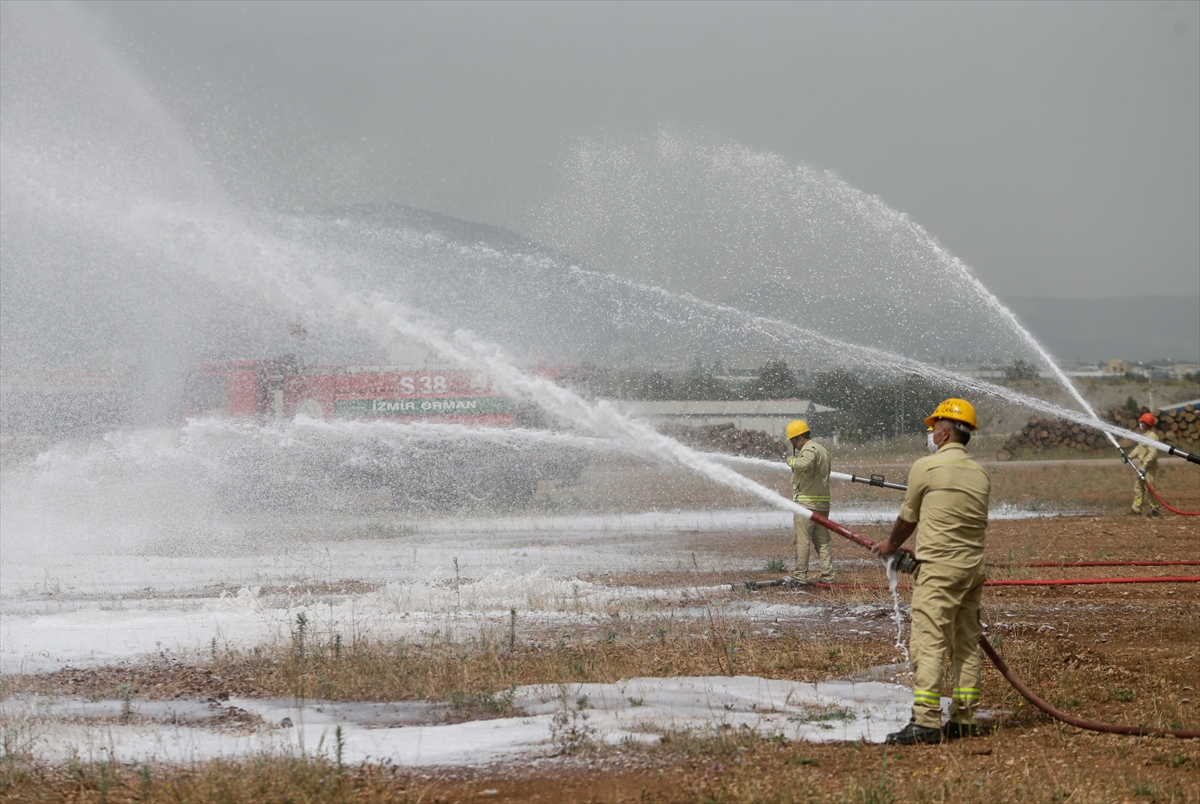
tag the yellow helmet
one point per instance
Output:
(959, 410)
(798, 427)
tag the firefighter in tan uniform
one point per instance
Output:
(1147, 457)
(947, 506)
(810, 488)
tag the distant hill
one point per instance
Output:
(1132, 328)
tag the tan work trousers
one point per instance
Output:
(1140, 494)
(945, 616)
(809, 534)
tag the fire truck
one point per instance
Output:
(422, 469)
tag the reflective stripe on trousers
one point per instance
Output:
(927, 698)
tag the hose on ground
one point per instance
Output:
(1035, 582)
(1065, 564)
(1077, 581)
(1168, 505)
(1079, 722)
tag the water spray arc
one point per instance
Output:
(799, 230)
(784, 336)
(240, 255)
(954, 263)
(272, 269)
(1059, 374)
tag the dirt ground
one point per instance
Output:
(1125, 653)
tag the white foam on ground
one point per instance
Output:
(91, 606)
(637, 710)
(45, 635)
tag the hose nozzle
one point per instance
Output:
(905, 562)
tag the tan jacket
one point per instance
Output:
(948, 499)
(810, 476)
(1145, 453)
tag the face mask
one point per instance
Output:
(929, 442)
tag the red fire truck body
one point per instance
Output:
(281, 389)
(420, 468)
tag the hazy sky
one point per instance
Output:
(1054, 147)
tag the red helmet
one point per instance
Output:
(1148, 419)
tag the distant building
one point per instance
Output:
(1117, 367)
(1085, 371)
(1181, 370)
(769, 415)
(979, 371)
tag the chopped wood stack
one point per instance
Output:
(1043, 433)
(729, 439)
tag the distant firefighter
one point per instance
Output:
(1146, 457)
(810, 488)
(946, 505)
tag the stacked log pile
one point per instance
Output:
(729, 439)
(1041, 433)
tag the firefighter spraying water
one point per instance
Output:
(810, 487)
(946, 505)
(1145, 462)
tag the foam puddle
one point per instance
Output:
(634, 710)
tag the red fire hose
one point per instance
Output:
(1074, 581)
(1051, 582)
(1065, 564)
(1168, 506)
(829, 524)
(1008, 674)
(1082, 723)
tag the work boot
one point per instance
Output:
(956, 731)
(913, 734)
(1154, 512)
(1135, 513)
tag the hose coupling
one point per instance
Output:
(905, 562)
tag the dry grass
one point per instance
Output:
(1046, 764)
(1108, 487)
(258, 779)
(471, 674)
